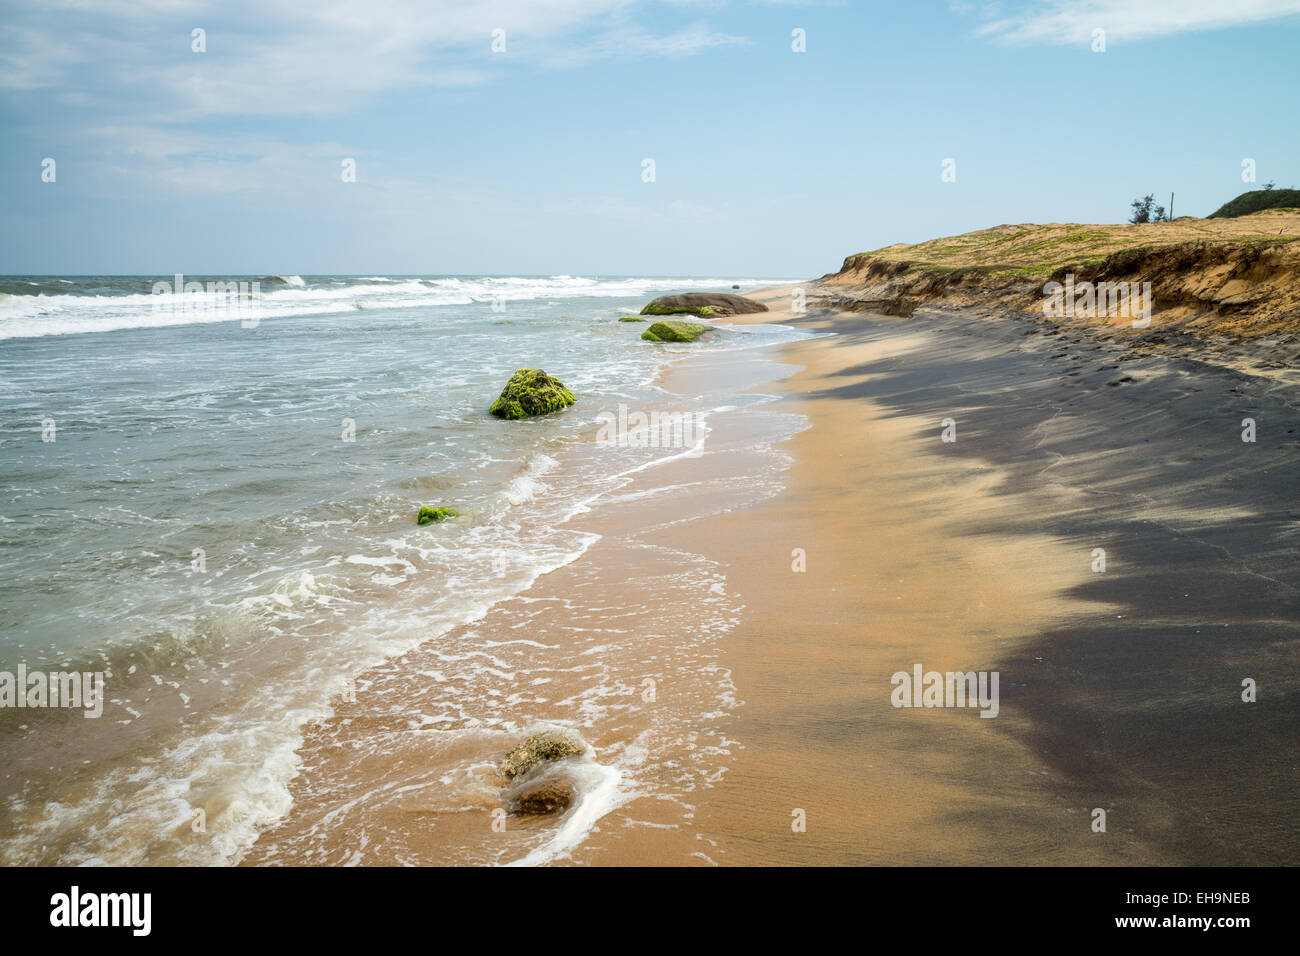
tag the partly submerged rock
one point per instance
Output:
(530, 392)
(675, 331)
(548, 745)
(703, 304)
(631, 318)
(543, 796)
(428, 514)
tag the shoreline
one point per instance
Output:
(219, 731)
(587, 636)
(974, 555)
(829, 539)
(894, 581)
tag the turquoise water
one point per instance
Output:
(224, 521)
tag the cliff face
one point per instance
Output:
(1247, 290)
(1231, 281)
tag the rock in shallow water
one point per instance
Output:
(530, 392)
(544, 796)
(703, 304)
(428, 514)
(675, 331)
(548, 745)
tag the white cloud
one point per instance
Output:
(286, 57)
(625, 42)
(31, 58)
(1072, 21)
(160, 111)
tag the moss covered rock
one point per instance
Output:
(530, 392)
(704, 304)
(428, 514)
(631, 318)
(675, 331)
(703, 311)
(548, 745)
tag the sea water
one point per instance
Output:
(220, 516)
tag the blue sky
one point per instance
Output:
(768, 162)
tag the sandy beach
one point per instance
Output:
(1121, 688)
(721, 436)
(882, 547)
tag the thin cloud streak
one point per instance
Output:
(1073, 21)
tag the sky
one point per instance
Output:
(511, 137)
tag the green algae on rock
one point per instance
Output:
(428, 514)
(675, 331)
(530, 392)
(631, 318)
(706, 305)
(703, 311)
(548, 745)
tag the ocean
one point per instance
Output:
(215, 508)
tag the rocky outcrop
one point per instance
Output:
(675, 331)
(704, 304)
(530, 392)
(542, 796)
(539, 748)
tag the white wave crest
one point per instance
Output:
(29, 316)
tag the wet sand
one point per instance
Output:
(1120, 689)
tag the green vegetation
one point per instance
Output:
(631, 318)
(428, 514)
(1146, 210)
(1039, 269)
(1075, 237)
(530, 392)
(703, 311)
(1257, 200)
(1028, 252)
(675, 332)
